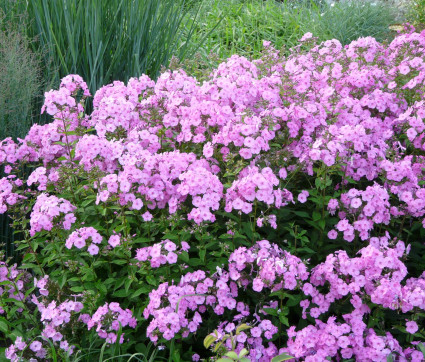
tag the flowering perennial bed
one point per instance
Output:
(274, 209)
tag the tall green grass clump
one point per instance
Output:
(107, 40)
(246, 23)
(351, 19)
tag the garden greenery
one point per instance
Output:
(245, 23)
(105, 41)
(275, 210)
(416, 13)
(20, 80)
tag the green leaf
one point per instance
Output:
(119, 261)
(209, 340)
(293, 299)
(87, 202)
(283, 319)
(151, 280)
(127, 284)
(62, 280)
(142, 290)
(184, 256)
(194, 262)
(243, 353)
(171, 236)
(282, 357)
(302, 214)
(318, 183)
(316, 216)
(242, 327)
(140, 241)
(270, 311)
(4, 326)
(232, 355)
(29, 291)
(99, 263)
(218, 345)
(422, 348)
(120, 293)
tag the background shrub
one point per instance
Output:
(20, 81)
(416, 13)
(20, 87)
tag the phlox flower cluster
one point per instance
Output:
(7, 196)
(274, 268)
(93, 151)
(251, 339)
(161, 253)
(80, 238)
(166, 179)
(178, 308)
(321, 106)
(256, 184)
(48, 143)
(412, 120)
(50, 211)
(64, 98)
(107, 321)
(115, 105)
(55, 317)
(42, 285)
(12, 285)
(16, 350)
(376, 275)
(367, 208)
(349, 339)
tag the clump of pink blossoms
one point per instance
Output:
(161, 253)
(107, 321)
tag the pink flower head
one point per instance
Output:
(306, 36)
(283, 173)
(333, 234)
(169, 245)
(411, 327)
(114, 240)
(302, 197)
(35, 346)
(185, 246)
(147, 216)
(93, 249)
(356, 203)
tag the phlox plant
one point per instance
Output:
(273, 211)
